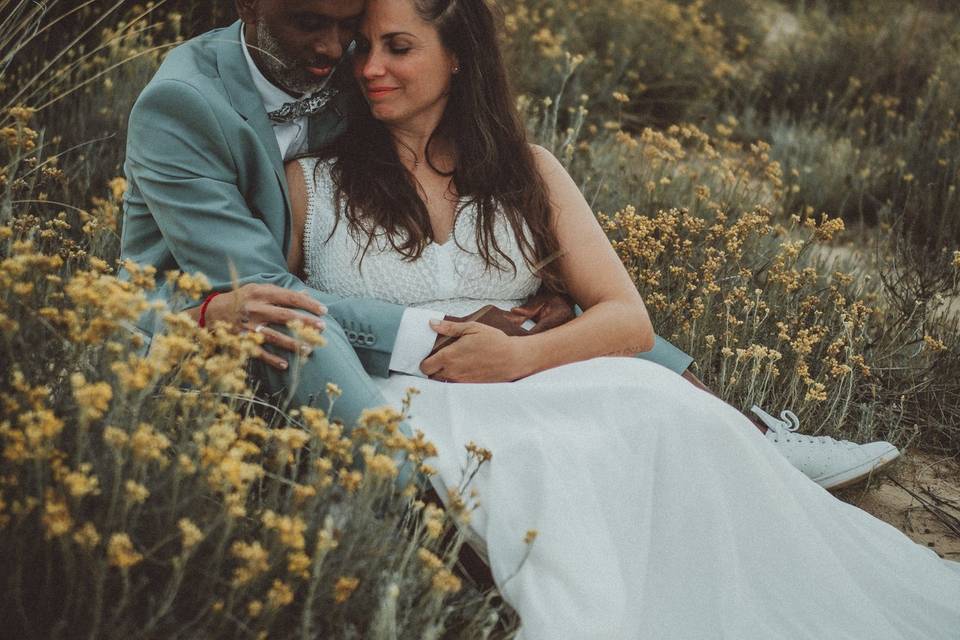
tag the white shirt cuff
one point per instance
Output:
(415, 340)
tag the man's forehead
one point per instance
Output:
(337, 9)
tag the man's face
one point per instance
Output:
(296, 43)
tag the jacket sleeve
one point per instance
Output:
(183, 169)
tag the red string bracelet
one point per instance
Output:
(202, 321)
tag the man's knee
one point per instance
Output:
(336, 362)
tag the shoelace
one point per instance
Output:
(785, 428)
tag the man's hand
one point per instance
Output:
(544, 310)
(480, 353)
(547, 310)
(253, 307)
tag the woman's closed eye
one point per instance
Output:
(364, 47)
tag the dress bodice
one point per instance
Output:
(451, 277)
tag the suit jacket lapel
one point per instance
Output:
(247, 101)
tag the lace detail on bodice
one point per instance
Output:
(450, 277)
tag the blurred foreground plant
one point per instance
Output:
(156, 496)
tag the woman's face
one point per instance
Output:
(401, 65)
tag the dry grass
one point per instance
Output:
(158, 496)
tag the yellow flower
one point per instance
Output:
(255, 558)
(350, 480)
(40, 426)
(87, 536)
(93, 400)
(194, 286)
(478, 452)
(116, 438)
(186, 465)
(298, 564)
(302, 493)
(254, 608)
(530, 536)
(136, 374)
(290, 529)
(445, 582)
(344, 589)
(306, 333)
(80, 484)
(120, 552)
(22, 289)
(190, 534)
(147, 444)
(118, 186)
(379, 465)
(290, 437)
(433, 521)
(934, 344)
(429, 560)
(379, 416)
(56, 517)
(136, 492)
(280, 594)
(22, 114)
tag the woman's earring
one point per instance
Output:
(456, 70)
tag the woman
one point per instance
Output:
(644, 529)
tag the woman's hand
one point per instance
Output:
(480, 354)
(253, 307)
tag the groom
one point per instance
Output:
(207, 193)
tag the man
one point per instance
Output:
(207, 193)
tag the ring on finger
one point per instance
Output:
(260, 327)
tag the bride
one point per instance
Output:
(659, 513)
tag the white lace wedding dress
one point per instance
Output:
(661, 512)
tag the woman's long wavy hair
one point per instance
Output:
(495, 169)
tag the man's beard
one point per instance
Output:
(288, 74)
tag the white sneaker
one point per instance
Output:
(830, 463)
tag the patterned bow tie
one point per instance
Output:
(304, 107)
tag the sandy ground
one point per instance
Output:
(934, 481)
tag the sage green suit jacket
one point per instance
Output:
(207, 190)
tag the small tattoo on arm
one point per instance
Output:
(629, 351)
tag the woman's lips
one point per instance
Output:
(379, 92)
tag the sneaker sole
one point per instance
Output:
(859, 473)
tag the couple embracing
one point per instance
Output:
(361, 166)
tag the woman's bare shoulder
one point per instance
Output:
(547, 164)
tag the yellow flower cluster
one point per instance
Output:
(121, 552)
(92, 400)
(81, 483)
(290, 529)
(344, 588)
(445, 582)
(190, 534)
(255, 561)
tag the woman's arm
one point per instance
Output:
(614, 322)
